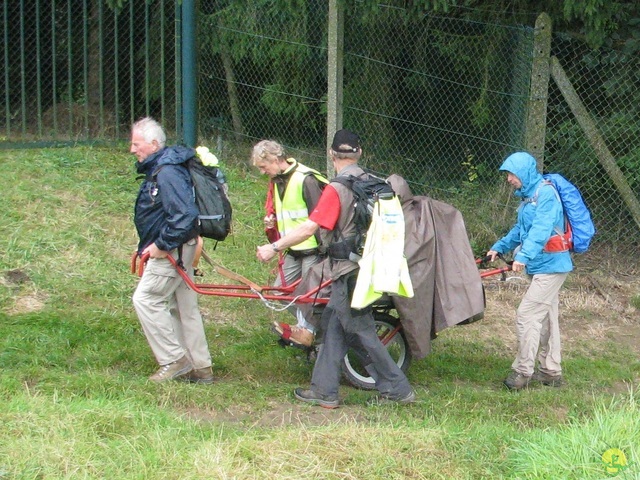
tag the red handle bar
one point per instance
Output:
(244, 291)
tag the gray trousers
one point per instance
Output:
(345, 327)
(537, 326)
(168, 311)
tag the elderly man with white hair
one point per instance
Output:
(166, 219)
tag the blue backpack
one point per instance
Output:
(575, 210)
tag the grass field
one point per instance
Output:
(76, 403)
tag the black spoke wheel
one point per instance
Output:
(389, 333)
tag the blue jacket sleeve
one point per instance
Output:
(510, 241)
(181, 214)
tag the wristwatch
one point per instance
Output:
(275, 247)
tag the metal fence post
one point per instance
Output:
(536, 125)
(189, 74)
(334, 71)
(178, 69)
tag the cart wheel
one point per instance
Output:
(397, 346)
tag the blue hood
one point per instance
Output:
(523, 166)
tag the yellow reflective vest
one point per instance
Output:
(383, 267)
(291, 210)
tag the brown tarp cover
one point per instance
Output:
(446, 281)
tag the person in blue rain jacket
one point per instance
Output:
(533, 239)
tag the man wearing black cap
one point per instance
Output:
(343, 326)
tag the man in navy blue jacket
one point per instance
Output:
(166, 219)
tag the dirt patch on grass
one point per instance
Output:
(306, 415)
(596, 307)
(28, 303)
(15, 277)
(23, 297)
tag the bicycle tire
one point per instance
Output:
(355, 374)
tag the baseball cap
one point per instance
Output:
(345, 141)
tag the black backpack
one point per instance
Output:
(366, 192)
(210, 193)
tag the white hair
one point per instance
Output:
(151, 130)
(266, 147)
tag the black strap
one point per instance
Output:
(180, 263)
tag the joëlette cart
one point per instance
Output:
(388, 323)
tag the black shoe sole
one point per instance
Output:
(328, 404)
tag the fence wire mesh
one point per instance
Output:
(450, 97)
(440, 100)
(446, 105)
(263, 75)
(437, 100)
(607, 83)
(79, 70)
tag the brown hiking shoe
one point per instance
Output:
(292, 333)
(200, 375)
(546, 379)
(516, 381)
(172, 370)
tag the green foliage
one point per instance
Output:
(421, 80)
(599, 17)
(413, 9)
(277, 44)
(485, 204)
(599, 21)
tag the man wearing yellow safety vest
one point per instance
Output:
(293, 193)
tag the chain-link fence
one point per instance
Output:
(437, 100)
(607, 85)
(440, 100)
(80, 70)
(263, 74)
(433, 98)
(445, 106)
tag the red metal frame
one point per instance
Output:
(281, 294)
(495, 271)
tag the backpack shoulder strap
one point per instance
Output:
(555, 190)
(307, 171)
(534, 199)
(347, 181)
(544, 182)
(186, 164)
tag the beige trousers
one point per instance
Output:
(537, 326)
(292, 270)
(168, 311)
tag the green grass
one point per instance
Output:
(73, 366)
